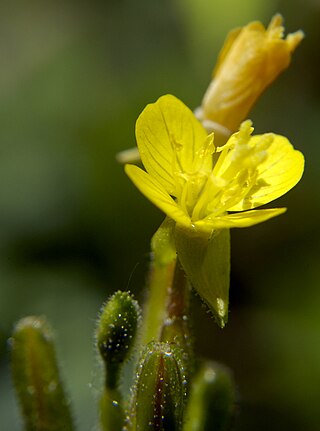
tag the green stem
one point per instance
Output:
(111, 412)
(160, 280)
(155, 308)
(167, 306)
(175, 328)
(166, 316)
(166, 334)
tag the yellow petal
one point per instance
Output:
(281, 171)
(162, 129)
(157, 194)
(243, 219)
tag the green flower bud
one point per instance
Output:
(206, 262)
(212, 400)
(116, 329)
(36, 377)
(160, 390)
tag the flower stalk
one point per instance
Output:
(167, 314)
(160, 278)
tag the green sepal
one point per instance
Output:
(212, 400)
(206, 262)
(160, 390)
(115, 333)
(36, 377)
(162, 244)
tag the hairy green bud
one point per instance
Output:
(36, 377)
(160, 389)
(116, 330)
(212, 400)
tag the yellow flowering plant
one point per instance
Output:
(208, 173)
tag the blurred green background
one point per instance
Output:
(74, 77)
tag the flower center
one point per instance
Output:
(205, 190)
(234, 173)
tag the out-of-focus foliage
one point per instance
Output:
(74, 77)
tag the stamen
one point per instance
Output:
(213, 187)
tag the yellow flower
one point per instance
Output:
(197, 184)
(250, 60)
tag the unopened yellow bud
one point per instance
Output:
(250, 60)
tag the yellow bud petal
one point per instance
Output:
(250, 61)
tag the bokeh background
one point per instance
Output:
(73, 78)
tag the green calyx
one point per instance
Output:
(206, 262)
